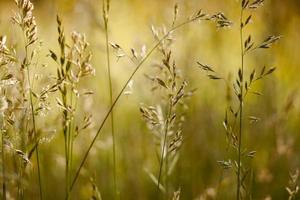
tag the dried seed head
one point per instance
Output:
(268, 42)
(221, 20)
(256, 4)
(80, 56)
(25, 19)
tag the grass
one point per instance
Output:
(165, 120)
(74, 65)
(3, 168)
(242, 88)
(139, 65)
(26, 21)
(241, 99)
(105, 10)
(49, 110)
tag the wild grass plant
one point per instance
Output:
(105, 10)
(242, 87)
(165, 154)
(74, 65)
(165, 120)
(199, 15)
(25, 19)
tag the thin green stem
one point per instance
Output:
(69, 144)
(34, 124)
(66, 138)
(3, 167)
(238, 194)
(119, 95)
(39, 171)
(167, 170)
(71, 135)
(163, 152)
(105, 18)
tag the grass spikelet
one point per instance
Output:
(165, 119)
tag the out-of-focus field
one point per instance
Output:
(276, 137)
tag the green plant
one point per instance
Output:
(105, 10)
(25, 19)
(197, 16)
(242, 88)
(165, 119)
(74, 65)
(40, 103)
(7, 58)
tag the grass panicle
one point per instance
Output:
(25, 19)
(74, 65)
(242, 86)
(198, 16)
(50, 118)
(165, 119)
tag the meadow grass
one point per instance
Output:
(28, 98)
(242, 87)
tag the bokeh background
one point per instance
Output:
(276, 138)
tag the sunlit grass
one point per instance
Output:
(56, 100)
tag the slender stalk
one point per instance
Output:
(3, 167)
(70, 144)
(164, 148)
(39, 172)
(34, 123)
(105, 18)
(120, 94)
(62, 74)
(241, 98)
(66, 139)
(71, 140)
(167, 170)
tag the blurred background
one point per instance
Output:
(276, 137)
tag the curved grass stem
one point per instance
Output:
(120, 94)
